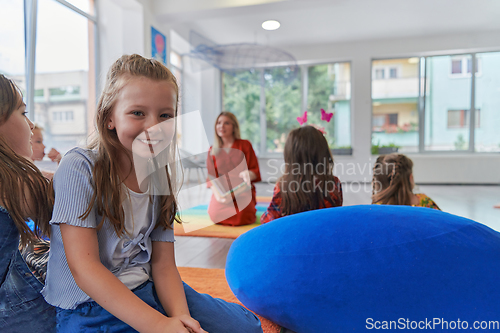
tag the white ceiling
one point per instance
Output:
(328, 21)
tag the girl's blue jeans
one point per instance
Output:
(22, 307)
(213, 314)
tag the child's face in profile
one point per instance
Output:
(38, 146)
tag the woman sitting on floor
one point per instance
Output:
(226, 171)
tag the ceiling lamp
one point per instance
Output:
(270, 25)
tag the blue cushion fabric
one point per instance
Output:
(331, 270)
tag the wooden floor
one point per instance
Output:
(473, 202)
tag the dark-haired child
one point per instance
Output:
(308, 182)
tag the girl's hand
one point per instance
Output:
(191, 324)
(54, 155)
(171, 325)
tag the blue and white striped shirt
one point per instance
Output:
(73, 185)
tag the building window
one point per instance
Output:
(385, 122)
(379, 73)
(460, 118)
(62, 116)
(386, 71)
(462, 66)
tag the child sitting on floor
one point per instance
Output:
(393, 183)
(308, 182)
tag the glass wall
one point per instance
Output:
(241, 96)
(12, 59)
(63, 67)
(283, 106)
(63, 80)
(437, 91)
(329, 88)
(487, 101)
(447, 102)
(395, 92)
(283, 93)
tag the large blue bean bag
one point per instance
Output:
(363, 268)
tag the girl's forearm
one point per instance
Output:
(109, 292)
(170, 290)
(82, 253)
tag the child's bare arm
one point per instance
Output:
(168, 285)
(82, 253)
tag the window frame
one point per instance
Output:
(30, 24)
(474, 113)
(304, 85)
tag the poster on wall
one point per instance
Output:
(158, 46)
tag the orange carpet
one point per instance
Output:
(213, 282)
(197, 223)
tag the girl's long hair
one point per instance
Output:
(108, 192)
(236, 130)
(308, 177)
(23, 188)
(391, 182)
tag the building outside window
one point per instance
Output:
(62, 116)
(438, 90)
(63, 67)
(395, 104)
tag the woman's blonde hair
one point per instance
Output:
(108, 190)
(236, 130)
(391, 182)
(23, 188)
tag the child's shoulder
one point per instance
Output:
(81, 153)
(426, 201)
(78, 158)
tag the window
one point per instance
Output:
(395, 104)
(283, 98)
(462, 66)
(487, 99)
(460, 118)
(241, 96)
(444, 121)
(386, 70)
(65, 72)
(62, 116)
(12, 50)
(444, 93)
(393, 73)
(283, 106)
(330, 89)
(456, 66)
